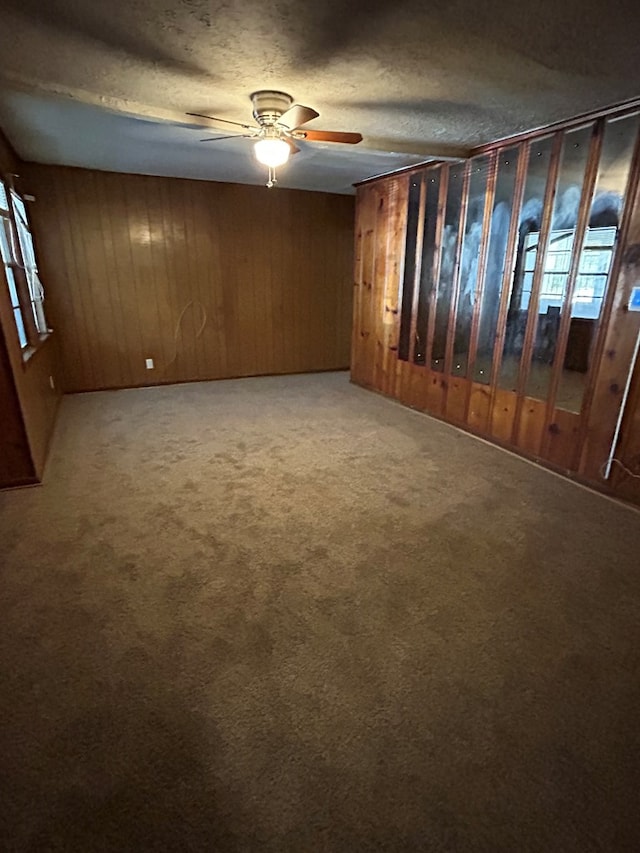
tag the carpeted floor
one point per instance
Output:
(286, 614)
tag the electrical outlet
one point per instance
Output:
(149, 363)
(52, 383)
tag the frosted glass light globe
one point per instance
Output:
(272, 152)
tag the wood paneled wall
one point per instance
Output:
(16, 464)
(28, 403)
(577, 444)
(39, 390)
(210, 280)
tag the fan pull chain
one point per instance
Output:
(272, 177)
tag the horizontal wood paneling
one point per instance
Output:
(211, 280)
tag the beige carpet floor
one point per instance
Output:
(285, 614)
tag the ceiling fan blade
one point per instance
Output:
(223, 120)
(220, 138)
(329, 136)
(294, 148)
(296, 116)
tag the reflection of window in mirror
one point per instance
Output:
(588, 296)
(521, 292)
(595, 262)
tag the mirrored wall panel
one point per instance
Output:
(521, 284)
(446, 285)
(596, 255)
(427, 279)
(495, 264)
(552, 273)
(413, 216)
(469, 263)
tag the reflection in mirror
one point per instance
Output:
(529, 223)
(413, 214)
(427, 282)
(596, 256)
(469, 264)
(496, 257)
(557, 260)
(447, 264)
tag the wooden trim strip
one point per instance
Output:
(532, 319)
(437, 259)
(357, 288)
(371, 363)
(358, 246)
(396, 225)
(455, 284)
(588, 188)
(367, 217)
(380, 282)
(404, 170)
(509, 265)
(485, 239)
(417, 268)
(402, 222)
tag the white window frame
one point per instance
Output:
(21, 271)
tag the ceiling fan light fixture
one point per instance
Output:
(272, 152)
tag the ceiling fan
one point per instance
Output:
(279, 125)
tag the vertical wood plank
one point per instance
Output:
(358, 251)
(381, 263)
(367, 320)
(396, 227)
(531, 425)
(503, 408)
(479, 408)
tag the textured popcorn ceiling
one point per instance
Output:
(99, 84)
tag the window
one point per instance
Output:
(21, 271)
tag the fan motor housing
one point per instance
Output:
(268, 106)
